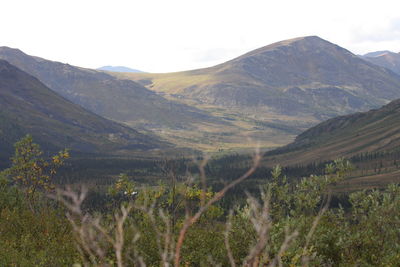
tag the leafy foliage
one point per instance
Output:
(33, 230)
(30, 171)
(290, 223)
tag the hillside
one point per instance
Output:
(136, 106)
(307, 79)
(28, 106)
(377, 130)
(385, 59)
(130, 103)
(120, 100)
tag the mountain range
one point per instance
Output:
(120, 100)
(266, 96)
(123, 101)
(290, 85)
(300, 77)
(27, 106)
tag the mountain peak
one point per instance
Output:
(299, 44)
(309, 38)
(304, 40)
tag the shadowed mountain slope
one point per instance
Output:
(377, 130)
(121, 100)
(27, 106)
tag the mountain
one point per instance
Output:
(265, 97)
(118, 69)
(281, 89)
(385, 59)
(121, 100)
(307, 77)
(27, 106)
(377, 130)
(133, 104)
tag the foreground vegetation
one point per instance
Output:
(183, 222)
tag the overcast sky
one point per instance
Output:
(174, 35)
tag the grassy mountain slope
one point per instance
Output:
(385, 59)
(373, 131)
(28, 106)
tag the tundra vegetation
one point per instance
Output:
(183, 221)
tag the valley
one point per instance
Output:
(199, 133)
(265, 97)
(326, 122)
(279, 90)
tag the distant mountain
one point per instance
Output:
(305, 77)
(387, 59)
(118, 69)
(345, 136)
(27, 106)
(121, 100)
(376, 53)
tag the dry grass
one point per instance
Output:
(172, 83)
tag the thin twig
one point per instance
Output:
(227, 245)
(190, 220)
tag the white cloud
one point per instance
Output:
(172, 35)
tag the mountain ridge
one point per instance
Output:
(29, 107)
(130, 102)
(307, 77)
(271, 73)
(377, 130)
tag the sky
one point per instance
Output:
(176, 35)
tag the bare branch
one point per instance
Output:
(285, 245)
(190, 220)
(227, 245)
(262, 223)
